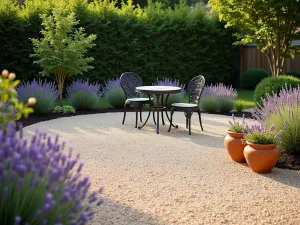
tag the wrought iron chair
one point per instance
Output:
(129, 81)
(194, 90)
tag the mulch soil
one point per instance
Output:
(286, 161)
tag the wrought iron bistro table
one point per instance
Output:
(159, 92)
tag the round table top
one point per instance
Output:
(158, 89)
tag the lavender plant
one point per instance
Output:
(174, 97)
(46, 94)
(260, 134)
(224, 97)
(41, 183)
(114, 94)
(283, 110)
(83, 95)
(237, 126)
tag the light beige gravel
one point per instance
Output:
(174, 178)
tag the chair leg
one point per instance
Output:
(125, 108)
(199, 114)
(186, 120)
(190, 125)
(136, 117)
(171, 119)
(141, 115)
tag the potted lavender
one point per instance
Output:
(233, 142)
(261, 152)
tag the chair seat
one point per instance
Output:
(139, 99)
(185, 105)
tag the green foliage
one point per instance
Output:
(61, 51)
(260, 134)
(225, 105)
(237, 126)
(239, 105)
(83, 100)
(116, 97)
(209, 104)
(293, 73)
(66, 109)
(272, 36)
(273, 85)
(289, 123)
(10, 107)
(252, 77)
(155, 43)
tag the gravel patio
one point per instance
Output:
(173, 178)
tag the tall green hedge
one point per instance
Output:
(154, 42)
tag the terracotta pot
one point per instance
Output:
(234, 146)
(261, 158)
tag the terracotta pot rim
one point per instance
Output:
(261, 146)
(234, 134)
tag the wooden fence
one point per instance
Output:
(251, 57)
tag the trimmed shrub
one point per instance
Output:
(114, 94)
(223, 95)
(173, 98)
(209, 104)
(239, 105)
(82, 95)
(283, 110)
(273, 85)
(252, 77)
(64, 109)
(41, 183)
(293, 73)
(46, 94)
(155, 42)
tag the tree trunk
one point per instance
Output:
(60, 78)
(276, 62)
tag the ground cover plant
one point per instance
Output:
(83, 95)
(45, 93)
(218, 97)
(61, 51)
(174, 97)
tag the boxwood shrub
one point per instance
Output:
(252, 77)
(273, 85)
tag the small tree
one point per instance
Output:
(61, 50)
(272, 25)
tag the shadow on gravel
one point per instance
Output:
(287, 177)
(111, 212)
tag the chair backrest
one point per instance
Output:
(129, 81)
(195, 88)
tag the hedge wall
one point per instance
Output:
(153, 42)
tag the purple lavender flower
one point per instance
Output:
(81, 85)
(169, 82)
(112, 84)
(45, 93)
(39, 165)
(220, 90)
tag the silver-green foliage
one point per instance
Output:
(225, 105)
(209, 104)
(83, 100)
(61, 51)
(64, 109)
(116, 97)
(287, 119)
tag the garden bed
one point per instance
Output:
(285, 162)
